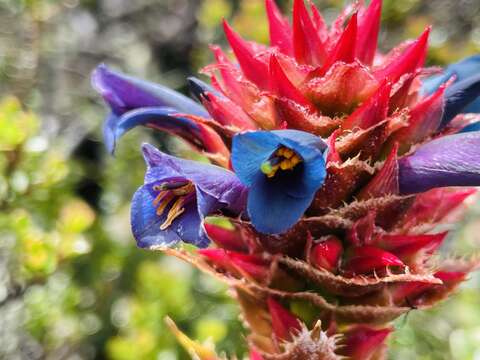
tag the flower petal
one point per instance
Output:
(125, 93)
(214, 181)
(448, 161)
(146, 224)
(271, 209)
(167, 119)
(459, 96)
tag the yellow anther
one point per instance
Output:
(176, 210)
(288, 153)
(162, 201)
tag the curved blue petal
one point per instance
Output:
(459, 95)
(199, 88)
(124, 93)
(462, 70)
(156, 117)
(249, 151)
(452, 160)
(221, 184)
(271, 209)
(146, 224)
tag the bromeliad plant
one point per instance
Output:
(334, 166)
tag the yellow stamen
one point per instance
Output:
(176, 210)
(162, 201)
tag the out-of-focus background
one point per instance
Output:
(72, 283)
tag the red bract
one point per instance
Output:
(363, 342)
(326, 254)
(366, 259)
(284, 323)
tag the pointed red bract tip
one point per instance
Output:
(372, 111)
(344, 51)
(253, 68)
(283, 321)
(225, 238)
(368, 30)
(333, 156)
(406, 245)
(366, 259)
(280, 30)
(408, 62)
(385, 181)
(326, 254)
(281, 86)
(307, 46)
(362, 342)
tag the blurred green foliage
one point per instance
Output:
(72, 283)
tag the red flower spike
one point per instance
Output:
(385, 182)
(366, 259)
(368, 29)
(344, 51)
(363, 342)
(253, 68)
(280, 30)
(308, 48)
(372, 111)
(409, 61)
(362, 231)
(327, 253)
(282, 87)
(283, 321)
(225, 238)
(407, 245)
(425, 118)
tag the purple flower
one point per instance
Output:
(448, 161)
(135, 102)
(177, 195)
(283, 169)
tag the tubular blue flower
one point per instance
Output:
(463, 71)
(135, 102)
(448, 161)
(283, 169)
(177, 195)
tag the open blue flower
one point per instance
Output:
(135, 102)
(177, 195)
(451, 160)
(283, 169)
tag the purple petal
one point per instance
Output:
(452, 160)
(124, 93)
(146, 224)
(219, 183)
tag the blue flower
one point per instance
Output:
(282, 169)
(176, 197)
(135, 102)
(463, 95)
(451, 160)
